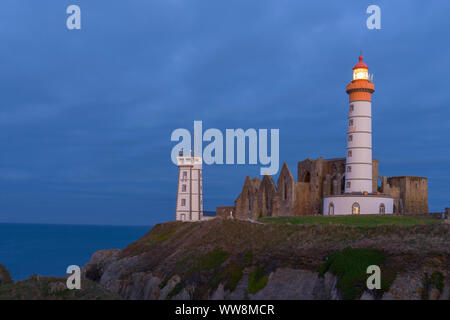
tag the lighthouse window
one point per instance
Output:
(350, 123)
(183, 202)
(349, 184)
(349, 169)
(183, 188)
(352, 108)
(184, 174)
(349, 153)
(350, 138)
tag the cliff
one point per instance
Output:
(227, 259)
(5, 277)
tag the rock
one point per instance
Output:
(185, 294)
(169, 287)
(292, 284)
(219, 294)
(5, 277)
(434, 294)
(445, 293)
(367, 296)
(405, 287)
(240, 292)
(94, 269)
(56, 287)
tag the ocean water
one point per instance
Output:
(27, 249)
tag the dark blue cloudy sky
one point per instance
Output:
(86, 116)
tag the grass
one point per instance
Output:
(162, 237)
(211, 260)
(257, 280)
(359, 221)
(350, 265)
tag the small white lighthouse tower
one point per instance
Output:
(189, 205)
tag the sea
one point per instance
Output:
(28, 249)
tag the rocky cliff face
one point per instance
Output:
(240, 260)
(5, 277)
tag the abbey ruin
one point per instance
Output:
(316, 179)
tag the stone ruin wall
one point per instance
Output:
(316, 179)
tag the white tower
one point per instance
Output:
(359, 198)
(189, 205)
(358, 172)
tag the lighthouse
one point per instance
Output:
(358, 171)
(189, 206)
(358, 197)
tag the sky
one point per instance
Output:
(86, 115)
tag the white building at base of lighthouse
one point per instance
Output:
(357, 204)
(359, 197)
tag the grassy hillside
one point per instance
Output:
(220, 251)
(360, 221)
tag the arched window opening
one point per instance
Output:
(379, 185)
(285, 188)
(382, 208)
(331, 209)
(307, 177)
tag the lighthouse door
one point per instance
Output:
(355, 208)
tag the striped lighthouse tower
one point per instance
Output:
(359, 198)
(358, 173)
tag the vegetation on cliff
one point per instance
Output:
(51, 288)
(350, 265)
(206, 254)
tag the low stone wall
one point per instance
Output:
(225, 212)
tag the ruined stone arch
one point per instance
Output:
(286, 191)
(267, 194)
(246, 203)
(306, 177)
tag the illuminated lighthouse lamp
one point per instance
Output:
(361, 71)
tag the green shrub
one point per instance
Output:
(257, 280)
(234, 273)
(350, 265)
